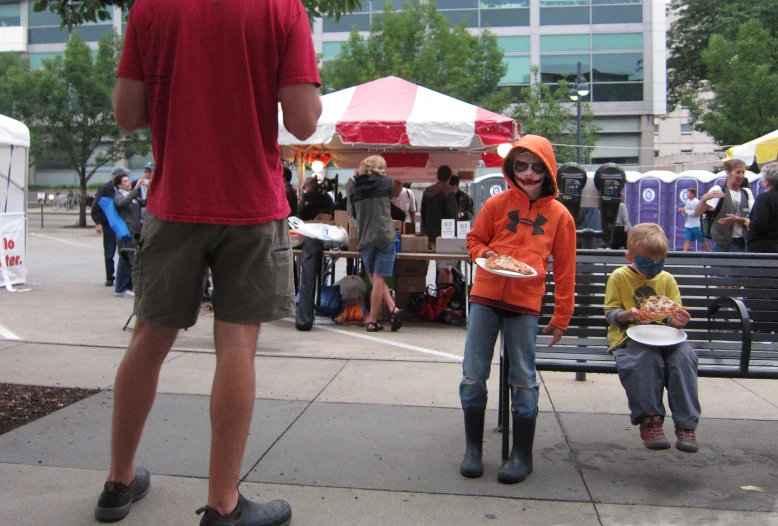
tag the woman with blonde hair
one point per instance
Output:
(369, 201)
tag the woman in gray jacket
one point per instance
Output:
(369, 199)
(128, 206)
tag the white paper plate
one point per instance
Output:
(481, 262)
(656, 335)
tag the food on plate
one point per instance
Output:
(509, 263)
(655, 308)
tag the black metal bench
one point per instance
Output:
(732, 299)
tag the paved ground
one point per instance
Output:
(351, 428)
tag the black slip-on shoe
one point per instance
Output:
(249, 513)
(116, 499)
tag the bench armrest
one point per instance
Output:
(745, 324)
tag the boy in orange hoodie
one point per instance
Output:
(528, 223)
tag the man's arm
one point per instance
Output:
(129, 104)
(302, 108)
(703, 206)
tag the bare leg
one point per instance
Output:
(232, 403)
(686, 245)
(706, 246)
(376, 296)
(134, 392)
(388, 298)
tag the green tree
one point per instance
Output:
(67, 106)
(76, 12)
(548, 111)
(690, 32)
(743, 79)
(418, 45)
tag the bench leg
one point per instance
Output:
(580, 377)
(505, 399)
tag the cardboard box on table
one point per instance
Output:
(341, 219)
(451, 246)
(409, 243)
(411, 284)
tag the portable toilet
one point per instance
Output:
(485, 187)
(677, 192)
(649, 200)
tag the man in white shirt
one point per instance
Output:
(404, 200)
(691, 227)
(727, 230)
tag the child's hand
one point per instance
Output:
(488, 254)
(627, 315)
(679, 319)
(557, 334)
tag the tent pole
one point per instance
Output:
(300, 176)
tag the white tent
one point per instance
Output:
(14, 152)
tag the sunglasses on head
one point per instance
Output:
(537, 167)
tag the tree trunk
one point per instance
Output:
(82, 201)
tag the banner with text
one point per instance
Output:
(13, 249)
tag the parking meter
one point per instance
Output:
(571, 179)
(609, 179)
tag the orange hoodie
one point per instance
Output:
(509, 223)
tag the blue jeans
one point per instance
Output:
(123, 275)
(109, 250)
(732, 248)
(520, 336)
(646, 372)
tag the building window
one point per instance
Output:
(564, 16)
(514, 44)
(550, 43)
(686, 150)
(10, 15)
(455, 17)
(617, 41)
(686, 129)
(36, 59)
(504, 17)
(331, 49)
(518, 70)
(617, 67)
(346, 23)
(617, 92)
(617, 14)
(457, 4)
(656, 130)
(656, 153)
(553, 68)
(503, 4)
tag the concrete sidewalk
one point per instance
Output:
(352, 428)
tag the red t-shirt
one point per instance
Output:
(212, 70)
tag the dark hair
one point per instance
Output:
(117, 179)
(444, 173)
(454, 181)
(693, 191)
(287, 174)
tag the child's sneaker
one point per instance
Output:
(652, 434)
(687, 440)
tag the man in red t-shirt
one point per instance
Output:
(207, 76)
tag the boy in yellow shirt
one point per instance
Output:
(646, 371)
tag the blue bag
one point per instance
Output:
(114, 219)
(330, 301)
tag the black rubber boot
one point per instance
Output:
(471, 466)
(519, 464)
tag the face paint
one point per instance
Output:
(647, 266)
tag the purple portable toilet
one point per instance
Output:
(678, 192)
(650, 201)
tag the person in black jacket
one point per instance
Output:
(291, 192)
(465, 206)
(437, 203)
(102, 226)
(314, 201)
(762, 222)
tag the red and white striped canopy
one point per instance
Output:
(412, 126)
